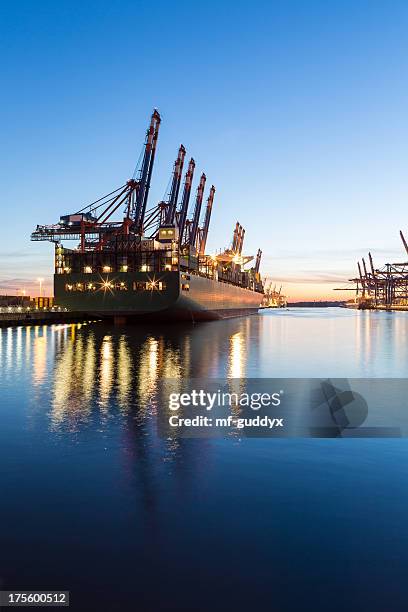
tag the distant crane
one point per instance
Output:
(361, 278)
(404, 242)
(366, 277)
(371, 265)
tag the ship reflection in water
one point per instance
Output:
(97, 503)
(108, 370)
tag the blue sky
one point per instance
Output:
(296, 111)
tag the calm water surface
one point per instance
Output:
(94, 502)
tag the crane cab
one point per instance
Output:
(168, 234)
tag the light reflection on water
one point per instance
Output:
(78, 434)
(94, 367)
(125, 371)
(83, 374)
(105, 372)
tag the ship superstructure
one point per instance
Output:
(152, 262)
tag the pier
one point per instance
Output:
(11, 316)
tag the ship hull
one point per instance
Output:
(170, 296)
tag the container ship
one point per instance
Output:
(152, 263)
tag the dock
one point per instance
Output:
(14, 316)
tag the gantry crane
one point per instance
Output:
(381, 288)
(93, 225)
(164, 233)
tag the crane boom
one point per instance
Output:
(404, 242)
(206, 224)
(113, 205)
(366, 276)
(361, 277)
(371, 265)
(197, 210)
(146, 170)
(241, 242)
(239, 238)
(182, 214)
(175, 187)
(258, 260)
(364, 267)
(235, 237)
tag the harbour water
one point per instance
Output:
(93, 501)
